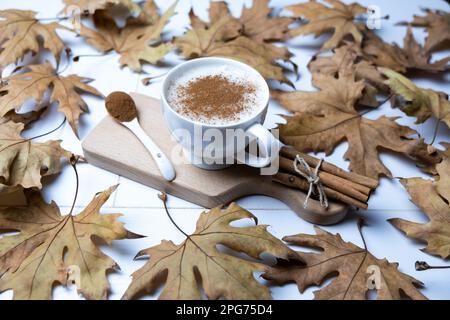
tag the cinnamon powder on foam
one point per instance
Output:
(214, 99)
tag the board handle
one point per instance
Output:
(295, 199)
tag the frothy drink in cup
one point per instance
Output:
(214, 108)
(220, 96)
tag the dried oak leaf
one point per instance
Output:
(222, 275)
(432, 197)
(349, 56)
(202, 41)
(418, 102)
(35, 82)
(437, 24)
(322, 18)
(21, 33)
(256, 22)
(324, 119)
(136, 42)
(23, 162)
(50, 245)
(355, 268)
(90, 6)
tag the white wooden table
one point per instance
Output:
(143, 212)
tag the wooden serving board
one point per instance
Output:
(113, 147)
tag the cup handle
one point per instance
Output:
(267, 142)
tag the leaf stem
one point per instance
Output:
(73, 162)
(163, 198)
(380, 103)
(436, 129)
(364, 19)
(422, 266)
(147, 80)
(68, 61)
(54, 18)
(77, 58)
(361, 224)
(36, 137)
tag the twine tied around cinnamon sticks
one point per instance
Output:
(315, 186)
(338, 184)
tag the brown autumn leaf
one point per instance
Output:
(22, 33)
(36, 80)
(256, 22)
(350, 56)
(23, 162)
(90, 6)
(202, 41)
(356, 271)
(218, 11)
(418, 102)
(432, 197)
(222, 275)
(136, 42)
(446, 151)
(149, 12)
(411, 57)
(26, 118)
(326, 118)
(322, 18)
(437, 24)
(50, 244)
(260, 24)
(383, 54)
(418, 58)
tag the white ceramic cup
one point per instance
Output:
(202, 141)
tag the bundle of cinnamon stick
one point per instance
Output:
(347, 187)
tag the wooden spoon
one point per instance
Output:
(123, 109)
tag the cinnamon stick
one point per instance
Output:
(291, 153)
(333, 182)
(300, 183)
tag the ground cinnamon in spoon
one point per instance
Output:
(214, 97)
(121, 106)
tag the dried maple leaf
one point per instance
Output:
(383, 54)
(90, 6)
(418, 58)
(49, 245)
(446, 152)
(218, 11)
(418, 102)
(207, 42)
(437, 24)
(411, 57)
(35, 82)
(135, 42)
(338, 17)
(256, 22)
(26, 118)
(22, 162)
(326, 118)
(356, 270)
(349, 56)
(432, 197)
(260, 25)
(222, 275)
(21, 33)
